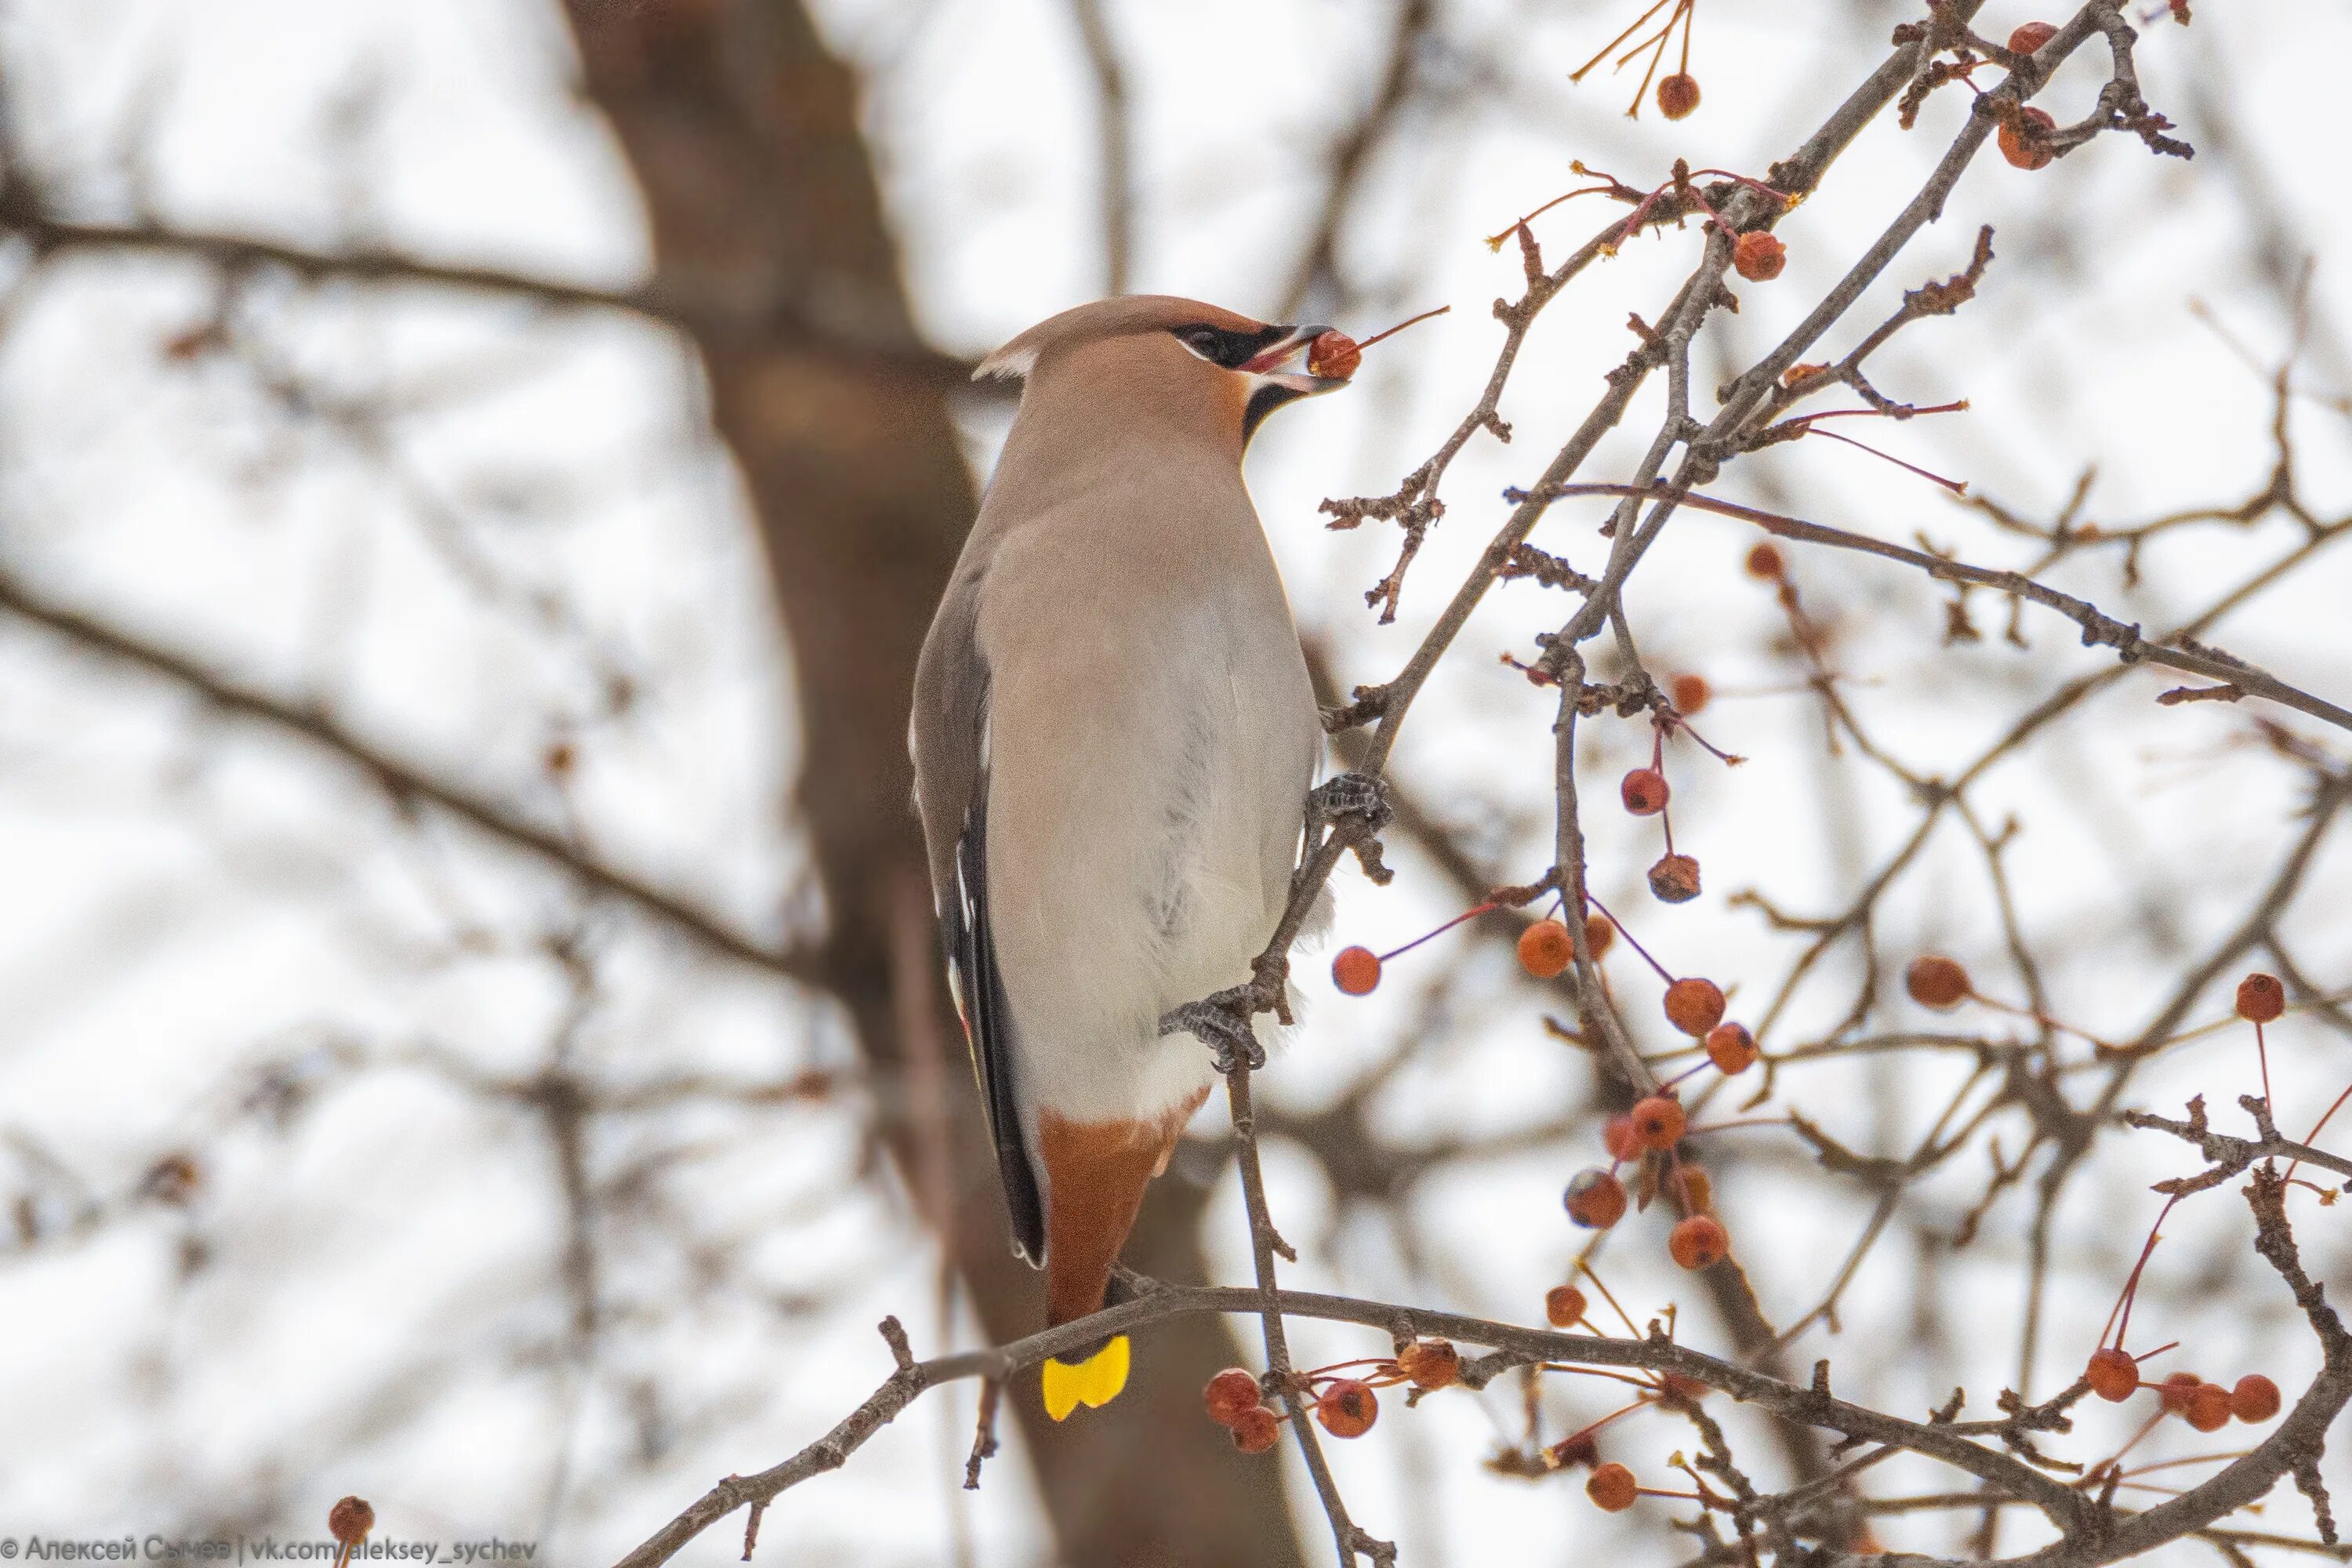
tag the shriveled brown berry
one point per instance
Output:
(1598, 934)
(1643, 791)
(350, 1521)
(1348, 1408)
(1689, 692)
(1256, 1429)
(1694, 1005)
(1356, 971)
(2111, 1375)
(1431, 1364)
(1764, 561)
(1678, 95)
(1546, 949)
(1595, 1199)
(2173, 1393)
(2029, 36)
(1612, 1488)
(1618, 1136)
(1698, 1242)
(173, 1179)
(2209, 1407)
(1229, 1393)
(1674, 879)
(1658, 1121)
(2022, 146)
(1333, 355)
(2255, 1398)
(1934, 981)
(1696, 1188)
(1731, 1048)
(1577, 1448)
(1564, 1306)
(1758, 255)
(2261, 998)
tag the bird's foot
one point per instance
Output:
(1345, 795)
(1222, 1023)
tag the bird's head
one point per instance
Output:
(1157, 356)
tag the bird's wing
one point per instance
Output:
(948, 737)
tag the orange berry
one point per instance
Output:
(2019, 143)
(1797, 373)
(2256, 1398)
(1690, 693)
(349, 1520)
(1431, 1363)
(1643, 792)
(1356, 971)
(2209, 1407)
(2261, 998)
(1674, 879)
(1731, 1048)
(1598, 934)
(1658, 1121)
(1696, 1187)
(2111, 1375)
(1694, 1005)
(1937, 982)
(1230, 1394)
(1564, 1306)
(1758, 255)
(2029, 36)
(1764, 561)
(1698, 1242)
(1256, 1429)
(1546, 949)
(1678, 95)
(1594, 1199)
(1348, 1408)
(1612, 1488)
(1617, 1136)
(2173, 1393)
(1333, 355)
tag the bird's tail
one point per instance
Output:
(1093, 1378)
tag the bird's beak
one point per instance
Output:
(1267, 367)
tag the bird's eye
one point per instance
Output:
(1206, 342)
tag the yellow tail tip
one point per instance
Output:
(1093, 1383)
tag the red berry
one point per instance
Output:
(1764, 561)
(1617, 1136)
(1643, 792)
(1595, 1199)
(1678, 95)
(1698, 1242)
(2209, 1407)
(1674, 879)
(1694, 1005)
(1690, 693)
(1431, 1364)
(1758, 255)
(1348, 1408)
(2256, 1398)
(1612, 1488)
(1598, 934)
(2261, 998)
(1546, 949)
(2022, 146)
(1334, 355)
(1731, 1048)
(2029, 36)
(1356, 971)
(1564, 1306)
(1937, 982)
(2111, 1375)
(1658, 1121)
(2173, 1393)
(348, 1521)
(1256, 1429)
(1230, 1394)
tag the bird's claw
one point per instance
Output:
(1222, 1023)
(1344, 795)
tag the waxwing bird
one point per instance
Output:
(1114, 736)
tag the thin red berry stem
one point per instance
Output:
(1628, 935)
(1487, 907)
(1363, 344)
(2131, 1286)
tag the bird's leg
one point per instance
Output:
(1355, 807)
(1222, 1023)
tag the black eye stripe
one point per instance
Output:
(1229, 349)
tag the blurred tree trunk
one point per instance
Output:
(768, 228)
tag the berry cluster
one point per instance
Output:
(1345, 1406)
